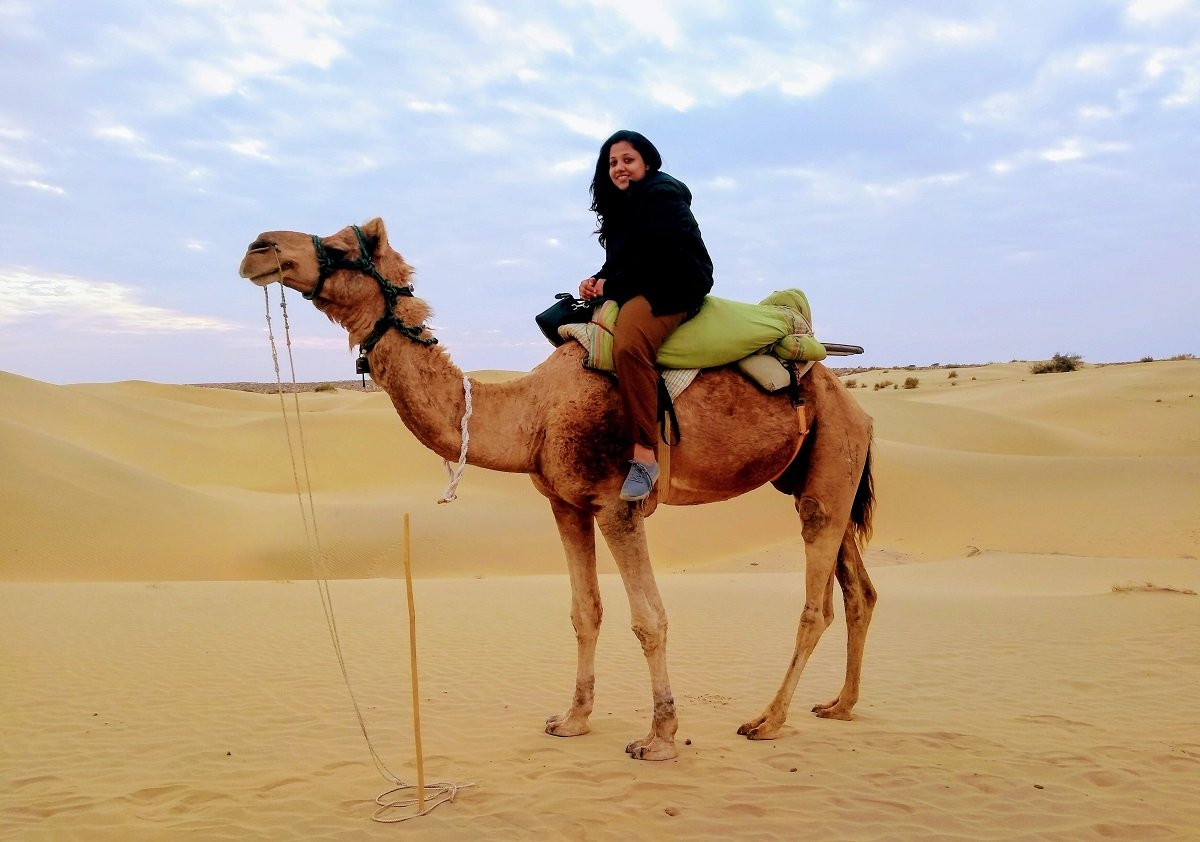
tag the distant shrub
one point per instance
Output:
(851, 383)
(1146, 360)
(1059, 362)
(1179, 357)
(325, 387)
(911, 382)
(952, 375)
(883, 384)
(1151, 587)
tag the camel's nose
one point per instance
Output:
(260, 245)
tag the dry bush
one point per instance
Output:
(1059, 362)
(911, 382)
(1150, 587)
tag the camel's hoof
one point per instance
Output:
(760, 729)
(566, 726)
(833, 712)
(653, 749)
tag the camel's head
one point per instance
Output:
(352, 275)
(306, 262)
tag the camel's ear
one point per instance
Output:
(377, 233)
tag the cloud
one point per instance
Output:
(1155, 11)
(20, 166)
(132, 141)
(596, 126)
(1132, 70)
(250, 148)
(42, 186)
(911, 188)
(214, 48)
(837, 188)
(572, 166)
(651, 19)
(91, 306)
(1065, 150)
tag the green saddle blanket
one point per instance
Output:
(723, 332)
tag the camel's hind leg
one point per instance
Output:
(834, 504)
(858, 596)
(575, 528)
(821, 544)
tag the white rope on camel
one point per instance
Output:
(442, 791)
(455, 473)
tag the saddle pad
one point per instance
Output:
(676, 379)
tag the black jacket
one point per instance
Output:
(653, 247)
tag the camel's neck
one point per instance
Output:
(427, 390)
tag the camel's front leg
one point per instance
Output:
(623, 529)
(821, 545)
(575, 528)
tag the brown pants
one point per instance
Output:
(636, 341)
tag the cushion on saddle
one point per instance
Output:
(724, 331)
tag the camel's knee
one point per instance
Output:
(870, 596)
(812, 618)
(859, 592)
(652, 635)
(813, 517)
(586, 618)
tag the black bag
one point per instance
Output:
(566, 310)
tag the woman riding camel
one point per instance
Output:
(656, 267)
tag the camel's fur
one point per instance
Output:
(566, 428)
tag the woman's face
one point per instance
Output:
(625, 164)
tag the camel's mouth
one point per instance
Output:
(266, 278)
(258, 274)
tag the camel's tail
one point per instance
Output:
(863, 508)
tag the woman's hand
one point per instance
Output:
(591, 288)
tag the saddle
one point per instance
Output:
(760, 338)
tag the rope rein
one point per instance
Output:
(455, 473)
(387, 802)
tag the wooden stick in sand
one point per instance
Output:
(412, 651)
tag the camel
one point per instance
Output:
(564, 426)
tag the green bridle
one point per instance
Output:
(391, 293)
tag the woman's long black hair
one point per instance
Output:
(606, 196)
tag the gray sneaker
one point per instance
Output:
(640, 481)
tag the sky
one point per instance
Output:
(949, 182)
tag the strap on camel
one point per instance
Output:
(669, 435)
(801, 415)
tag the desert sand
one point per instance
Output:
(166, 669)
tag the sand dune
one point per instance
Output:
(163, 676)
(141, 481)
